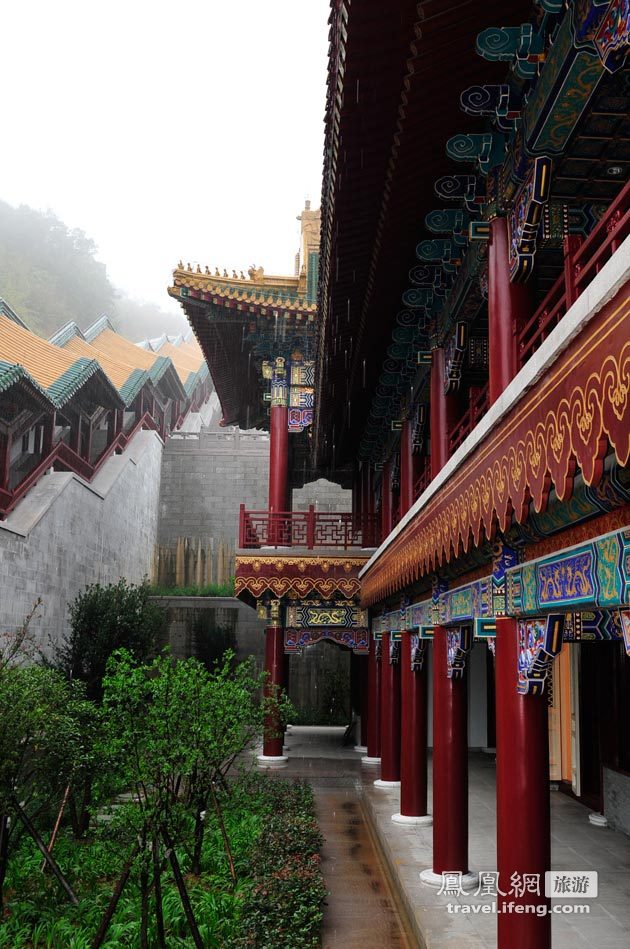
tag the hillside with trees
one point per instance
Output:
(49, 275)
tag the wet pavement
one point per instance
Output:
(361, 910)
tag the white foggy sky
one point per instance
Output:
(166, 129)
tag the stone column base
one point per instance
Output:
(271, 761)
(371, 761)
(469, 880)
(420, 820)
(388, 785)
(362, 749)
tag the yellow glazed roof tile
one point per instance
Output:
(183, 363)
(122, 351)
(43, 361)
(117, 371)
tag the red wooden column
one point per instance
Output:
(363, 704)
(367, 504)
(450, 769)
(374, 699)
(278, 458)
(386, 500)
(75, 434)
(356, 500)
(509, 306)
(390, 718)
(413, 748)
(48, 437)
(442, 414)
(274, 667)
(406, 467)
(5, 461)
(279, 529)
(523, 817)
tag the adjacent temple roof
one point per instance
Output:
(109, 370)
(103, 338)
(242, 320)
(31, 394)
(128, 379)
(61, 375)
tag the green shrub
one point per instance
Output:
(103, 619)
(283, 908)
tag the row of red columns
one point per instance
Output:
(398, 695)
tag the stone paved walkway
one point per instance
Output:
(362, 911)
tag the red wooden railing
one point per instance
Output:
(582, 262)
(309, 529)
(477, 408)
(422, 481)
(64, 458)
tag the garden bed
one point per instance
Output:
(276, 901)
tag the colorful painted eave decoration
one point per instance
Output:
(356, 639)
(594, 574)
(524, 219)
(593, 38)
(286, 576)
(568, 419)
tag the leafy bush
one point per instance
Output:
(276, 903)
(103, 619)
(42, 745)
(283, 908)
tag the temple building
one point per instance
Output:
(71, 402)
(456, 349)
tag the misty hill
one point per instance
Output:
(49, 275)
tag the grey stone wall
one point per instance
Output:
(323, 495)
(66, 534)
(319, 680)
(205, 477)
(204, 627)
(617, 799)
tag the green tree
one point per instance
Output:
(49, 274)
(175, 730)
(42, 743)
(103, 619)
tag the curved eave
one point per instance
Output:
(164, 376)
(85, 372)
(394, 82)
(236, 381)
(13, 374)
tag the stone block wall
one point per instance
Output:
(66, 534)
(204, 627)
(323, 495)
(205, 478)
